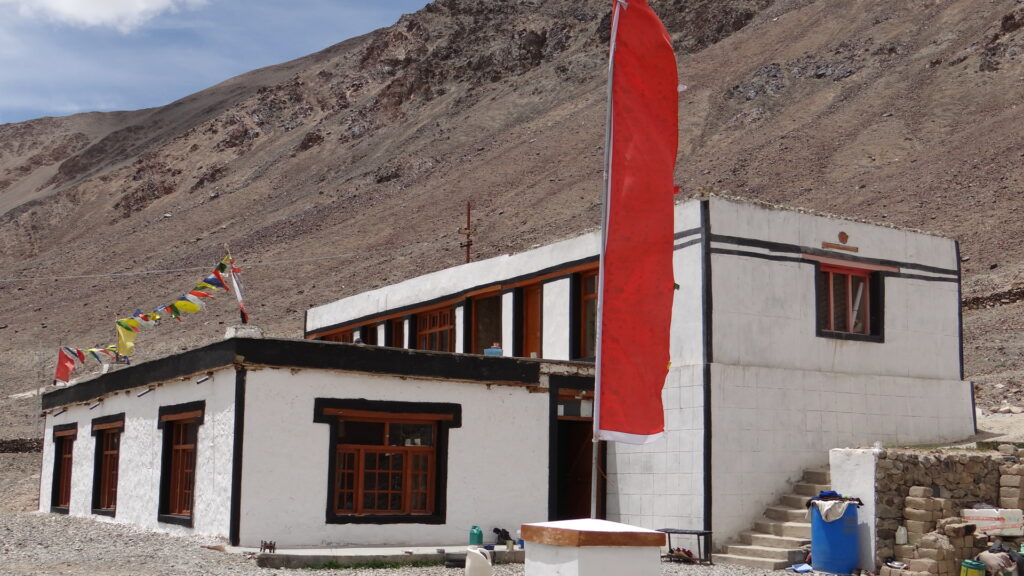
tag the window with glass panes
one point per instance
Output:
(108, 450)
(435, 330)
(385, 465)
(844, 301)
(588, 315)
(64, 448)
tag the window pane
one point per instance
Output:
(411, 435)
(859, 290)
(840, 302)
(590, 284)
(396, 502)
(824, 311)
(589, 336)
(487, 322)
(365, 433)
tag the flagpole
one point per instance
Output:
(596, 456)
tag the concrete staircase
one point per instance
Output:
(777, 538)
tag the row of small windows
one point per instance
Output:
(180, 425)
(848, 304)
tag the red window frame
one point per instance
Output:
(435, 330)
(64, 447)
(841, 299)
(588, 288)
(108, 443)
(402, 478)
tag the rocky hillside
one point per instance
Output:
(351, 168)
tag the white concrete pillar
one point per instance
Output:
(460, 324)
(507, 323)
(557, 318)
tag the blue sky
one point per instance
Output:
(60, 57)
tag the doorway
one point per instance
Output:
(572, 452)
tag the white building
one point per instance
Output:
(791, 334)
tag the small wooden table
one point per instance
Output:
(703, 552)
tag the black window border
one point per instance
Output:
(54, 476)
(876, 314)
(165, 461)
(321, 405)
(97, 463)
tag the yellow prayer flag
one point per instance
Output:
(186, 306)
(125, 341)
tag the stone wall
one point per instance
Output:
(925, 492)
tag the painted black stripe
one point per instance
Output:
(302, 354)
(688, 232)
(776, 258)
(708, 353)
(235, 529)
(761, 256)
(687, 244)
(917, 277)
(458, 295)
(796, 249)
(960, 319)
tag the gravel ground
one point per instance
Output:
(50, 544)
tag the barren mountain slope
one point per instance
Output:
(351, 168)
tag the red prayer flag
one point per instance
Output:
(65, 365)
(636, 268)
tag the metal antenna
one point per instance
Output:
(468, 232)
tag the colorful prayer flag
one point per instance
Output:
(65, 365)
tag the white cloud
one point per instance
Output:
(124, 15)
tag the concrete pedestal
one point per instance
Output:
(591, 548)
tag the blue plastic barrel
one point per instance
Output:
(834, 544)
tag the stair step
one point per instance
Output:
(773, 541)
(791, 556)
(750, 561)
(808, 489)
(794, 500)
(786, 514)
(817, 476)
(788, 529)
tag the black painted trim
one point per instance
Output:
(389, 333)
(877, 312)
(794, 248)
(460, 294)
(573, 382)
(237, 453)
(707, 308)
(687, 244)
(54, 476)
(960, 317)
(315, 354)
(97, 464)
(165, 460)
(762, 256)
(106, 420)
(687, 232)
(575, 343)
(917, 277)
(173, 409)
(320, 405)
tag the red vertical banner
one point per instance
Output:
(636, 263)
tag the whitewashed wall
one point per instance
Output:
(853, 474)
(138, 493)
(497, 461)
(782, 396)
(451, 281)
(556, 312)
(661, 484)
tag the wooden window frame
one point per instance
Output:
(442, 416)
(423, 328)
(581, 299)
(64, 436)
(523, 321)
(177, 482)
(106, 463)
(872, 304)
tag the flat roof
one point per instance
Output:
(321, 355)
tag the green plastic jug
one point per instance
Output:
(476, 536)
